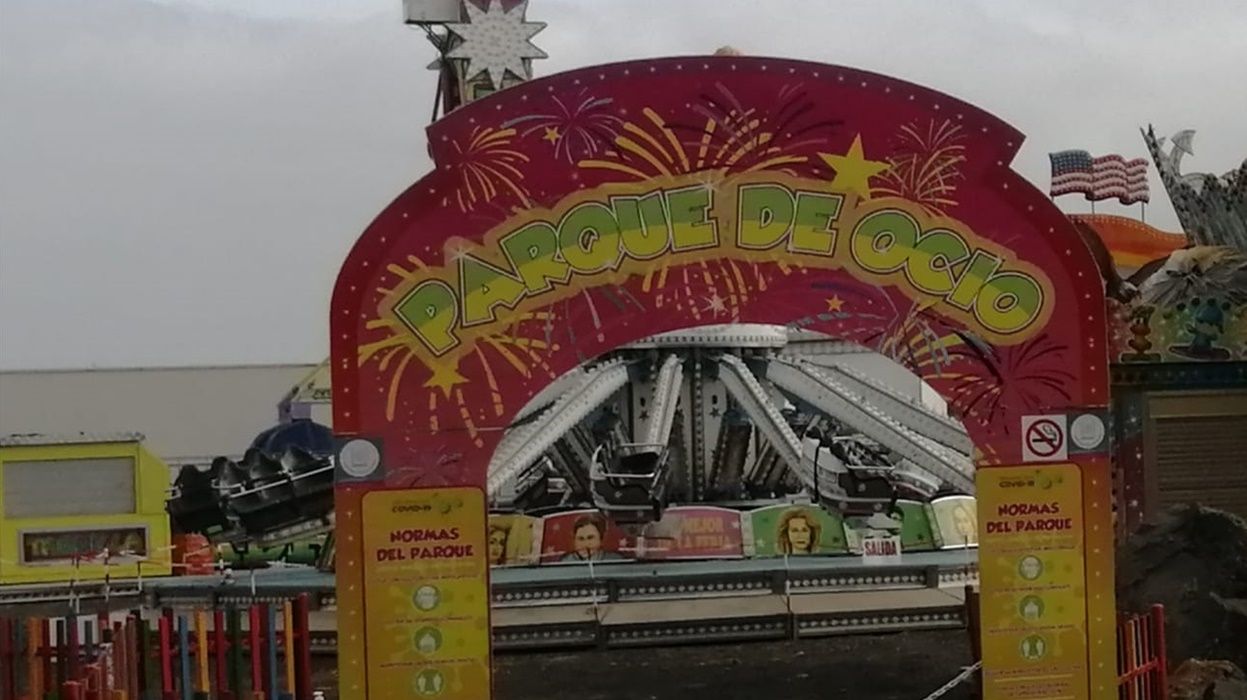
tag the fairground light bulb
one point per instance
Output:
(359, 458)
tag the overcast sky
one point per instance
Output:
(179, 180)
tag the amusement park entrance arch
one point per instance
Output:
(571, 215)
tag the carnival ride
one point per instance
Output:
(729, 413)
(280, 492)
(735, 415)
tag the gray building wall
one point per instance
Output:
(193, 414)
(188, 414)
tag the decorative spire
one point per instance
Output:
(1211, 209)
(496, 42)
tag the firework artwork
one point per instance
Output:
(567, 216)
(631, 141)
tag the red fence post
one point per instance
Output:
(93, 678)
(135, 651)
(302, 648)
(1142, 662)
(34, 669)
(166, 659)
(218, 649)
(1162, 654)
(8, 661)
(1125, 659)
(71, 690)
(253, 636)
(74, 663)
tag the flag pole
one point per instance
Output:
(1143, 211)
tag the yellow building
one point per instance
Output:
(81, 507)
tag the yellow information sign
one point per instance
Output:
(426, 589)
(1033, 583)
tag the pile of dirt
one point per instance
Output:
(1207, 680)
(1193, 560)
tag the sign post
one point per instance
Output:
(1032, 553)
(427, 594)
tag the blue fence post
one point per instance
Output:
(270, 633)
(184, 657)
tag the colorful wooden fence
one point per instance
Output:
(259, 652)
(1141, 656)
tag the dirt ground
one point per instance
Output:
(1193, 561)
(904, 666)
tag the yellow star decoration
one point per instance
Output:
(552, 135)
(445, 377)
(834, 303)
(853, 171)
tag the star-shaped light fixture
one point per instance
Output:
(496, 41)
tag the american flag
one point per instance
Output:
(1099, 178)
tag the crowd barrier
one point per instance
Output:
(1143, 671)
(257, 652)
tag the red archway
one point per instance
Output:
(570, 215)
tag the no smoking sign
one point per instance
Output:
(1044, 438)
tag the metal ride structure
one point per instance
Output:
(279, 493)
(731, 414)
(770, 412)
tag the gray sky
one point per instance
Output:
(180, 179)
